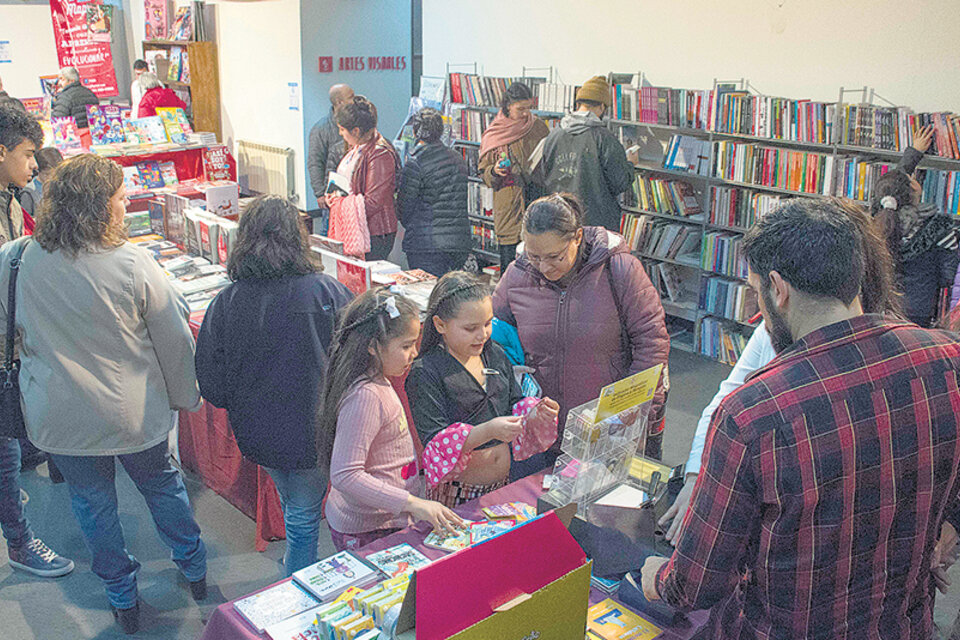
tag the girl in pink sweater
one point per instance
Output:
(363, 432)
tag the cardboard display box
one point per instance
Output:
(530, 582)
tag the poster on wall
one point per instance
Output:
(82, 30)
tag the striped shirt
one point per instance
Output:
(825, 481)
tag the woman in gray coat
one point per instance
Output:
(106, 358)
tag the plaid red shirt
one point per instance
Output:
(825, 480)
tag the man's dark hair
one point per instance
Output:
(428, 125)
(16, 126)
(813, 245)
(48, 158)
(589, 103)
(516, 92)
(140, 65)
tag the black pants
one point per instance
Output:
(437, 262)
(381, 246)
(508, 253)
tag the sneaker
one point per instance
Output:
(39, 559)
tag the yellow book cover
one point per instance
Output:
(609, 620)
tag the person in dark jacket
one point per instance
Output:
(326, 149)
(432, 203)
(156, 95)
(585, 309)
(584, 158)
(921, 239)
(261, 354)
(73, 98)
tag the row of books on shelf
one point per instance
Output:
(472, 124)
(658, 238)
(728, 299)
(670, 281)
(157, 21)
(112, 132)
(721, 340)
(479, 200)
(179, 67)
(484, 238)
(487, 91)
(741, 208)
(801, 171)
(857, 177)
(722, 253)
(672, 197)
(471, 158)
(688, 154)
(727, 109)
(942, 188)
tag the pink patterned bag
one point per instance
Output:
(348, 224)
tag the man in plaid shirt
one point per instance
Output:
(827, 476)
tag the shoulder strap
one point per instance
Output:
(624, 336)
(12, 303)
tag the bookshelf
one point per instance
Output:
(204, 85)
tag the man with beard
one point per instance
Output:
(830, 475)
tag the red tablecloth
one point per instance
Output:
(209, 449)
(227, 624)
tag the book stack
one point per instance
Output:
(673, 197)
(728, 299)
(400, 560)
(479, 200)
(799, 171)
(721, 254)
(555, 97)
(275, 604)
(721, 340)
(688, 154)
(741, 208)
(857, 177)
(741, 113)
(332, 576)
(473, 123)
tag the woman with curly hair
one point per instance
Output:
(106, 358)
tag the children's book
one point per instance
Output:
(303, 626)
(275, 604)
(216, 163)
(449, 541)
(66, 136)
(173, 71)
(169, 172)
(97, 123)
(399, 560)
(130, 132)
(182, 28)
(150, 129)
(155, 18)
(332, 576)
(171, 124)
(185, 67)
(150, 176)
(609, 620)
(480, 531)
(131, 180)
(519, 511)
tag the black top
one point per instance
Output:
(73, 101)
(432, 202)
(441, 391)
(261, 355)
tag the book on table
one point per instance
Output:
(401, 559)
(332, 576)
(275, 604)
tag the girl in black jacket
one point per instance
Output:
(432, 203)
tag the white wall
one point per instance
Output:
(29, 28)
(909, 52)
(259, 48)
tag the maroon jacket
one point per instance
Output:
(375, 176)
(158, 97)
(572, 337)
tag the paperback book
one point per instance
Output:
(399, 560)
(445, 541)
(132, 180)
(169, 172)
(332, 576)
(155, 19)
(150, 129)
(106, 126)
(216, 163)
(610, 620)
(66, 136)
(275, 604)
(182, 28)
(480, 531)
(303, 626)
(150, 176)
(519, 511)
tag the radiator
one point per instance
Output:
(266, 169)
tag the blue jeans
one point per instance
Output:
(301, 496)
(12, 519)
(93, 496)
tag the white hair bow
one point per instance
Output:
(391, 306)
(888, 202)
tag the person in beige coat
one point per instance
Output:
(106, 358)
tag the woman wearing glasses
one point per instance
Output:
(585, 310)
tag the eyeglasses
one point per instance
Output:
(554, 258)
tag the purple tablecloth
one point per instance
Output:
(226, 623)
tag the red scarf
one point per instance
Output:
(503, 131)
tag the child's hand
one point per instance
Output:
(442, 518)
(505, 428)
(548, 409)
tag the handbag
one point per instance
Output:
(11, 413)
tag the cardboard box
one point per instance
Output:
(222, 198)
(530, 582)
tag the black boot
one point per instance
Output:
(198, 589)
(128, 619)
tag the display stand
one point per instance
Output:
(204, 85)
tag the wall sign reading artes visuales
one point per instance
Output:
(362, 63)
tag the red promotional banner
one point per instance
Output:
(81, 29)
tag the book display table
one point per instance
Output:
(226, 624)
(188, 161)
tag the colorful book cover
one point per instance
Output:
(609, 620)
(130, 132)
(399, 560)
(445, 541)
(114, 133)
(155, 14)
(173, 71)
(155, 210)
(97, 122)
(519, 511)
(66, 136)
(303, 626)
(171, 124)
(131, 180)
(275, 604)
(480, 531)
(151, 129)
(216, 163)
(169, 172)
(36, 107)
(150, 176)
(332, 576)
(182, 28)
(185, 67)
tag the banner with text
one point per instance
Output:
(81, 29)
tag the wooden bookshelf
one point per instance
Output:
(204, 85)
